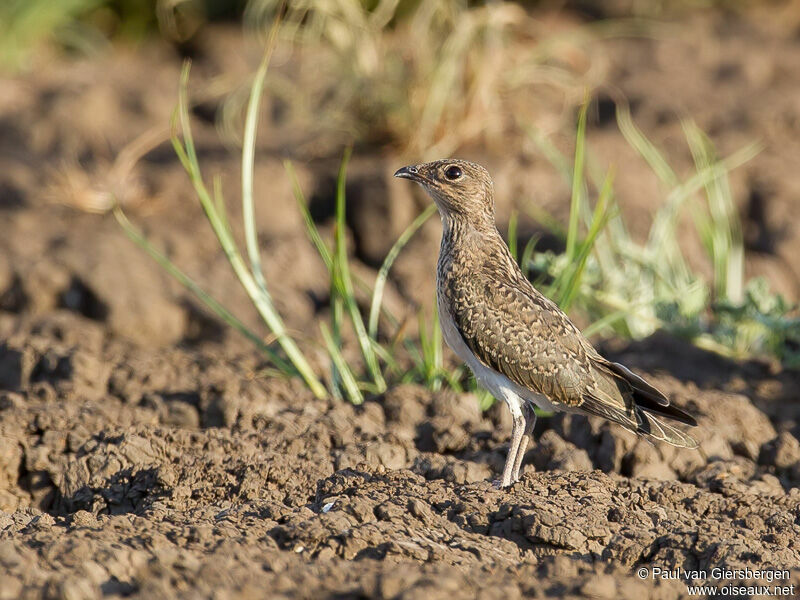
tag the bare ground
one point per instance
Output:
(142, 454)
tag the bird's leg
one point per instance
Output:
(530, 422)
(517, 434)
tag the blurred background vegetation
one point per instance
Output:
(87, 25)
(428, 79)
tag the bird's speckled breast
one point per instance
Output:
(500, 386)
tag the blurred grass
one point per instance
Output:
(24, 24)
(426, 77)
(86, 25)
(351, 28)
(631, 290)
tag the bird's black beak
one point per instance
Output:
(409, 172)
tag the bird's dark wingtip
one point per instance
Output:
(639, 384)
(658, 430)
(670, 411)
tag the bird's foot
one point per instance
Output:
(499, 485)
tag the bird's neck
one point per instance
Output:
(463, 229)
(467, 242)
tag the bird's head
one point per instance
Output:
(460, 189)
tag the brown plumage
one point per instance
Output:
(517, 342)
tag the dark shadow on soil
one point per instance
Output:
(665, 353)
(772, 388)
(80, 298)
(124, 492)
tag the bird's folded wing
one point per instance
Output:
(513, 329)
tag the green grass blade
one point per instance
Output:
(607, 321)
(258, 295)
(248, 164)
(342, 268)
(485, 398)
(577, 182)
(645, 147)
(345, 374)
(437, 355)
(383, 272)
(512, 234)
(540, 215)
(723, 230)
(598, 223)
(428, 366)
(527, 254)
(550, 152)
(183, 118)
(702, 178)
(311, 228)
(415, 354)
(386, 356)
(219, 203)
(336, 337)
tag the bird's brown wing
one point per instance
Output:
(513, 329)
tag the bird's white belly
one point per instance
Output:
(498, 384)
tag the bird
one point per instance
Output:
(519, 344)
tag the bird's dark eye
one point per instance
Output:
(452, 173)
